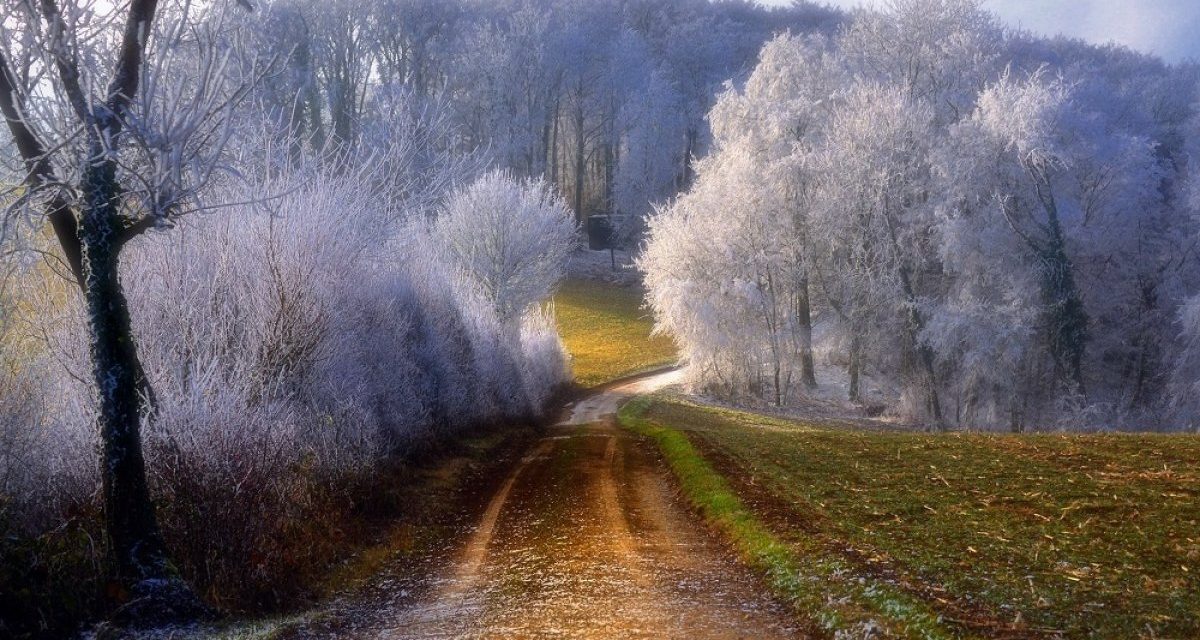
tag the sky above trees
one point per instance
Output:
(1163, 27)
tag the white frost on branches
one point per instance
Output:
(509, 237)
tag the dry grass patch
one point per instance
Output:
(607, 332)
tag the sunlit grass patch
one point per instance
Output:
(607, 332)
(1087, 535)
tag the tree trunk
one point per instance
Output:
(553, 151)
(579, 160)
(1068, 321)
(609, 176)
(129, 513)
(854, 393)
(777, 381)
(914, 324)
(92, 245)
(686, 175)
(543, 161)
(804, 323)
(316, 124)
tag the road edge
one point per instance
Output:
(799, 581)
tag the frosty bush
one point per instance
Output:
(293, 347)
(509, 237)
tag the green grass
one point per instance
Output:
(1079, 535)
(822, 587)
(607, 332)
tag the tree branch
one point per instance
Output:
(127, 74)
(40, 172)
(67, 65)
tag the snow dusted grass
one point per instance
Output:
(1001, 535)
(606, 331)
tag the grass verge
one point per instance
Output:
(607, 332)
(1041, 535)
(820, 586)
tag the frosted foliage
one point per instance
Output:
(47, 463)
(1185, 378)
(970, 232)
(280, 341)
(508, 237)
(726, 302)
(935, 51)
(1022, 118)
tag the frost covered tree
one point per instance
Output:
(936, 52)
(1016, 128)
(119, 118)
(510, 238)
(872, 224)
(727, 263)
(777, 118)
(985, 247)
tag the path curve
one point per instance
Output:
(586, 538)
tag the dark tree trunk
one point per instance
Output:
(299, 102)
(777, 382)
(137, 546)
(933, 404)
(92, 244)
(1145, 357)
(808, 373)
(313, 103)
(553, 151)
(580, 160)
(609, 177)
(543, 167)
(157, 595)
(913, 325)
(1067, 319)
(686, 173)
(854, 394)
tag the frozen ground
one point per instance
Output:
(599, 265)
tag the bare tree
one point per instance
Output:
(104, 162)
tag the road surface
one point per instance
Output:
(584, 539)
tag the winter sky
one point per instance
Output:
(1169, 28)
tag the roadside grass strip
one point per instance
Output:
(820, 585)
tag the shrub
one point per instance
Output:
(294, 353)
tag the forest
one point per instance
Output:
(964, 225)
(260, 254)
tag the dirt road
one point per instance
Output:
(586, 539)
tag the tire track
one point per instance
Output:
(586, 539)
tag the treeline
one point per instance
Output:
(606, 99)
(958, 223)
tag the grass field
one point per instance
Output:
(607, 332)
(950, 534)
